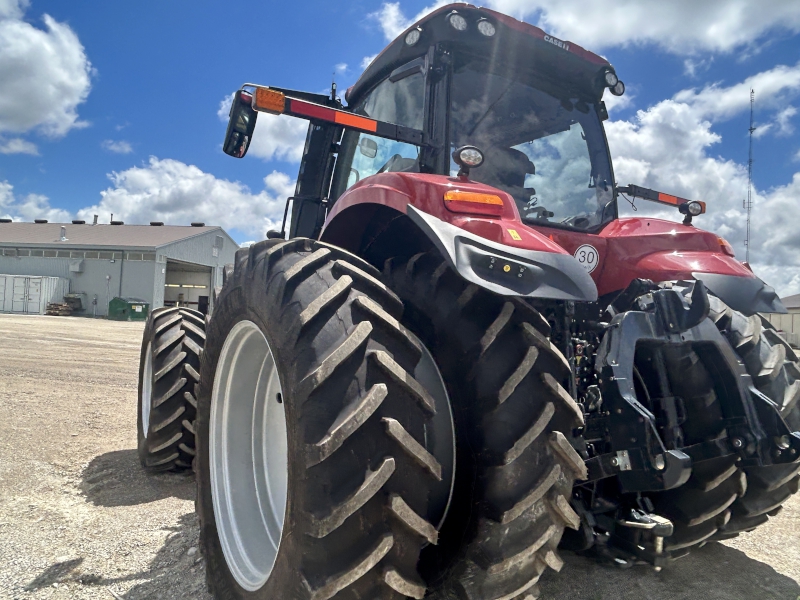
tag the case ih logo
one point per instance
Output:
(556, 42)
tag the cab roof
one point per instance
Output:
(571, 61)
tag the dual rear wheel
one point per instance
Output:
(325, 454)
(326, 444)
(169, 371)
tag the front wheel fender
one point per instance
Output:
(504, 269)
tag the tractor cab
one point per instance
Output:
(531, 104)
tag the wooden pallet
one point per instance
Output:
(57, 309)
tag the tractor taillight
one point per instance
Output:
(473, 203)
(726, 247)
(270, 101)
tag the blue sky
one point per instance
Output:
(115, 107)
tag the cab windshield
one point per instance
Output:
(548, 153)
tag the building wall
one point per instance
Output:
(159, 279)
(214, 249)
(788, 324)
(200, 249)
(100, 278)
(106, 279)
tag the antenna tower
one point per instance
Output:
(748, 204)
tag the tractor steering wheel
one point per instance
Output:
(389, 163)
(532, 214)
(581, 221)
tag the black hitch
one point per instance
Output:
(639, 457)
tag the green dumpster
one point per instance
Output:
(128, 309)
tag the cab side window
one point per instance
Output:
(398, 100)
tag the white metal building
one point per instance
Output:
(159, 264)
(788, 324)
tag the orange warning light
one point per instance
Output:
(270, 101)
(473, 203)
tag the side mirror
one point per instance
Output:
(241, 124)
(368, 147)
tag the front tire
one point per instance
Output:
(305, 343)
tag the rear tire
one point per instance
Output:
(702, 506)
(775, 370)
(169, 366)
(515, 467)
(360, 465)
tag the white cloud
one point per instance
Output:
(694, 66)
(367, 61)
(771, 88)
(18, 146)
(618, 103)
(13, 9)
(117, 147)
(683, 27)
(44, 72)
(340, 68)
(393, 22)
(784, 121)
(28, 208)
(174, 192)
(276, 137)
(762, 130)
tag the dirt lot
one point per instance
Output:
(79, 520)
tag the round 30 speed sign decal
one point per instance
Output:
(588, 257)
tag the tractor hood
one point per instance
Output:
(515, 45)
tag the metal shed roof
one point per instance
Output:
(791, 301)
(116, 236)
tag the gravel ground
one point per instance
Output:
(79, 520)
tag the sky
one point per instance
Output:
(120, 108)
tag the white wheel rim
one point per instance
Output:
(147, 388)
(248, 455)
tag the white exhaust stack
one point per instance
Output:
(63, 234)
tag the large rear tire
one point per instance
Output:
(317, 460)
(701, 507)
(169, 366)
(516, 468)
(775, 370)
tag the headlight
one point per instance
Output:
(618, 89)
(458, 22)
(611, 79)
(486, 28)
(469, 156)
(412, 37)
(694, 208)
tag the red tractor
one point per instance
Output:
(455, 350)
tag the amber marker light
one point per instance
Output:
(270, 101)
(473, 203)
(726, 247)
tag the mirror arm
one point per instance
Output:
(300, 105)
(636, 191)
